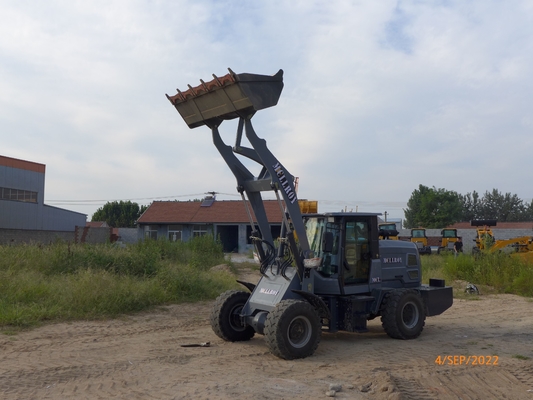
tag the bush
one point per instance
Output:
(64, 281)
(506, 273)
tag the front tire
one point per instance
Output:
(403, 315)
(226, 318)
(293, 329)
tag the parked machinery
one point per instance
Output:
(448, 239)
(388, 231)
(327, 271)
(520, 246)
(418, 237)
(484, 235)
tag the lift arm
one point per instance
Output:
(240, 96)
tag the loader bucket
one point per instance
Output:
(228, 97)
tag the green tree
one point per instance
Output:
(503, 207)
(119, 214)
(432, 208)
(472, 206)
(528, 212)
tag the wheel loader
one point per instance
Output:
(327, 271)
(447, 241)
(484, 235)
(419, 238)
(388, 231)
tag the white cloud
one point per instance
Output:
(379, 97)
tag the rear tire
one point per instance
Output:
(403, 315)
(226, 318)
(293, 329)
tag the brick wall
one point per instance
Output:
(85, 234)
(19, 236)
(82, 234)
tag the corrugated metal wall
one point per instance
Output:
(35, 216)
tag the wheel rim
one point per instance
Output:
(299, 332)
(410, 315)
(235, 319)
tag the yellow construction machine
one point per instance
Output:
(418, 237)
(485, 237)
(448, 239)
(521, 246)
(388, 231)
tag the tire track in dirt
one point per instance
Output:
(25, 381)
(465, 382)
(60, 358)
(140, 357)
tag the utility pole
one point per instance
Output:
(385, 213)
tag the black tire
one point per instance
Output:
(225, 317)
(403, 314)
(293, 329)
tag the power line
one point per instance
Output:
(98, 201)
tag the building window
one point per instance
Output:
(26, 196)
(199, 230)
(150, 232)
(174, 232)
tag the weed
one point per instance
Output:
(65, 282)
(490, 272)
(62, 282)
(520, 357)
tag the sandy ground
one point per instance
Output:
(141, 357)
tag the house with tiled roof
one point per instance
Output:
(227, 220)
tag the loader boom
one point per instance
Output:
(240, 96)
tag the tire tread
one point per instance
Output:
(220, 322)
(274, 335)
(389, 316)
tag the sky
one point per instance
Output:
(379, 96)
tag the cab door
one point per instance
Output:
(357, 252)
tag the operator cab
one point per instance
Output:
(346, 243)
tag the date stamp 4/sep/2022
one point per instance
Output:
(466, 360)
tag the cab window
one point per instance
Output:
(356, 253)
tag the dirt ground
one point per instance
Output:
(141, 357)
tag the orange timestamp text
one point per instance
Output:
(466, 360)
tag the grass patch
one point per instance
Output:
(62, 282)
(520, 357)
(490, 272)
